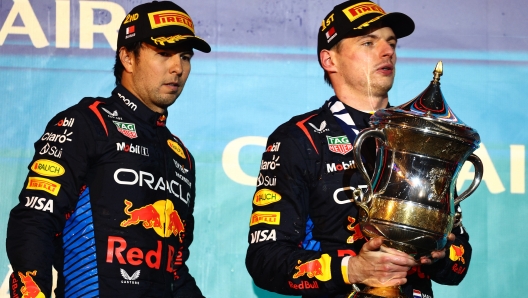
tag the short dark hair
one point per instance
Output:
(327, 78)
(118, 66)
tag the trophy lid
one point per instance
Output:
(428, 111)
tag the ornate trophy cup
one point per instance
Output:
(410, 198)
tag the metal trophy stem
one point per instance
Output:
(410, 201)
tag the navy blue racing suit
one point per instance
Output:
(108, 202)
(303, 222)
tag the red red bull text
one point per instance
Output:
(304, 285)
(458, 269)
(117, 248)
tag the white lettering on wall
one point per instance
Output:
(517, 169)
(231, 162)
(31, 26)
(87, 28)
(490, 178)
(62, 25)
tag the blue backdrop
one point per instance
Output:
(262, 71)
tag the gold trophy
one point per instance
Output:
(410, 197)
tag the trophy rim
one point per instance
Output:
(439, 127)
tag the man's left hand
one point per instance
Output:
(437, 254)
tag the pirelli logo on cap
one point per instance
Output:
(267, 217)
(170, 17)
(44, 184)
(360, 9)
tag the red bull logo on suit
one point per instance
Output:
(30, 289)
(318, 268)
(160, 216)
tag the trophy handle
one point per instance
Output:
(479, 171)
(358, 194)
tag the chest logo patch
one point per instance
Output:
(127, 129)
(176, 148)
(339, 144)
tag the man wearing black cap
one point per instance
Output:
(304, 236)
(109, 198)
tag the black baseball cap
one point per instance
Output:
(354, 18)
(162, 24)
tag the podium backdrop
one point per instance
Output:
(263, 70)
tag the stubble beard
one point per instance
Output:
(165, 100)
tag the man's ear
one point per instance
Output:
(327, 62)
(127, 59)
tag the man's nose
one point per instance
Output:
(176, 65)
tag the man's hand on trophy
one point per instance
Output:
(379, 266)
(437, 254)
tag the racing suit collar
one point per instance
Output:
(137, 107)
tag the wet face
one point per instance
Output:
(367, 64)
(157, 76)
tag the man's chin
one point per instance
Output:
(380, 89)
(166, 100)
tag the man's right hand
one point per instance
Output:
(379, 266)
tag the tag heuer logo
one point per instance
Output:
(339, 144)
(128, 129)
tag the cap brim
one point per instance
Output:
(194, 41)
(401, 24)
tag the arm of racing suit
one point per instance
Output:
(50, 193)
(275, 258)
(452, 269)
(184, 284)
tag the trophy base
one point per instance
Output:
(381, 292)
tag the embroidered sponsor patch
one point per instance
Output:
(127, 129)
(330, 34)
(339, 144)
(456, 253)
(273, 147)
(176, 148)
(322, 127)
(267, 217)
(270, 165)
(170, 17)
(130, 279)
(360, 9)
(263, 235)
(44, 184)
(318, 268)
(265, 197)
(47, 168)
(66, 122)
(53, 137)
(30, 287)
